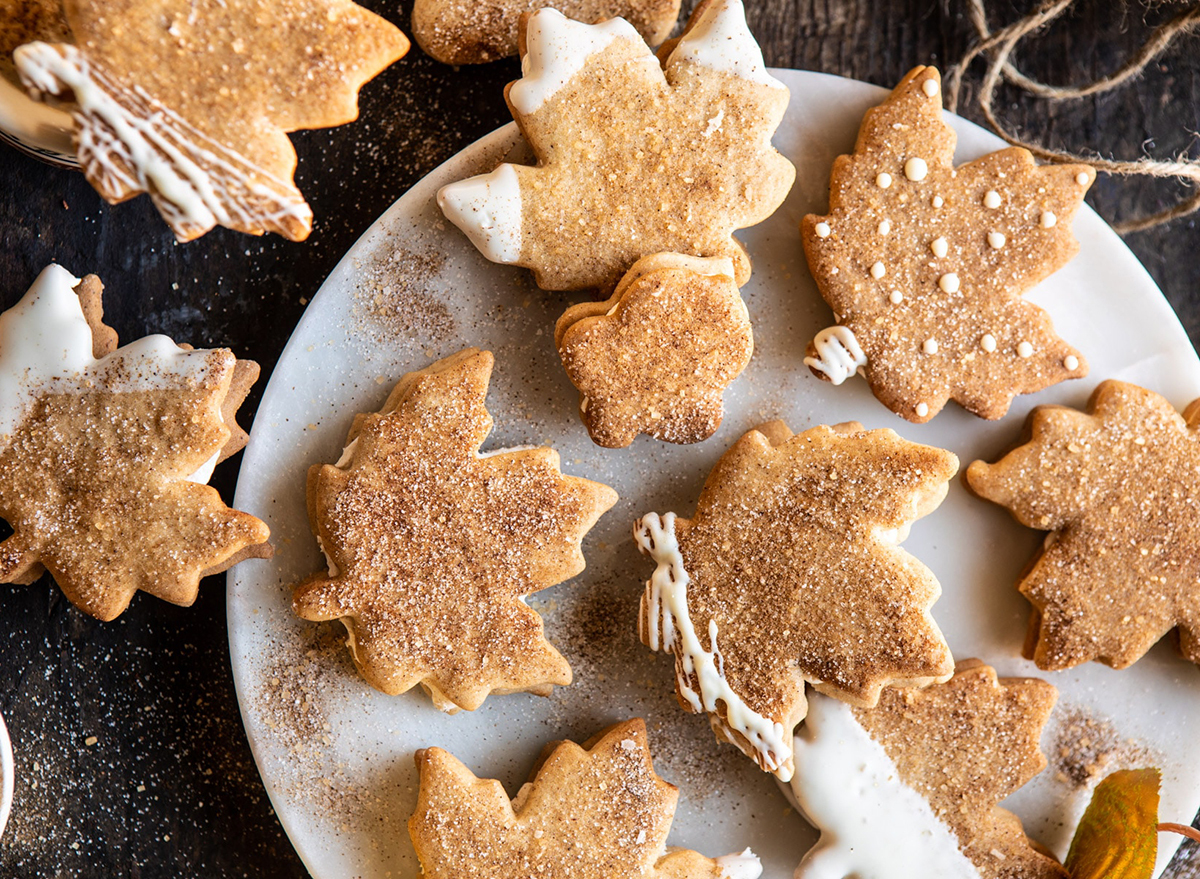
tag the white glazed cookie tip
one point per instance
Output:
(487, 208)
(46, 347)
(557, 48)
(873, 825)
(721, 40)
(744, 865)
(839, 355)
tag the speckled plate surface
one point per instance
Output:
(336, 756)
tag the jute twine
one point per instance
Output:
(998, 46)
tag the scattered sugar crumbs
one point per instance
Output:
(394, 294)
(289, 703)
(1086, 747)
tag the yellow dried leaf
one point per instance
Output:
(1117, 837)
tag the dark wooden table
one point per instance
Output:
(168, 788)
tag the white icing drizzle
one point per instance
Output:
(46, 347)
(839, 355)
(487, 208)
(721, 40)
(666, 612)
(128, 143)
(916, 169)
(557, 48)
(744, 865)
(873, 825)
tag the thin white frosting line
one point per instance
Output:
(667, 609)
(557, 48)
(194, 196)
(487, 207)
(873, 825)
(839, 355)
(721, 40)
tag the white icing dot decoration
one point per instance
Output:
(922, 410)
(884, 180)
(930, 346)
(878, 271)
(996, 240)
(939, 246)
(949, 282)
(988, 343)
(1071, 362)
(884, 227)
(938, 201)
(930, 87)
(1024, 349)
(897, 297)
(991, 199)
(822, 230)
(1082, 178)
(1049, 220)
(915, 169)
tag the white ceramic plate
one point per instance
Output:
(6, 776)
(336, 757)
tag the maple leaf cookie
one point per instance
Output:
(191, 100)
(790, 571)
(432, 547)
(924, 264)
(594, 812)
(634, 157)
(1116, 487)
(657, 356)
(909, 788)
(105, 453)
(469, 32)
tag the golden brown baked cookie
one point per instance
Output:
(431, 546)
(1116, 487)
(790, 571)
(634, 157)
(105, 453)
(472, 32)
(924, 264)
(191, 100)
(909, 788)
(596, 812)
(656, 357)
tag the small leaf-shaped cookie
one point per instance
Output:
(634, 157)
(657, 356)
(105, 453)
(1117, 489)
(592, 812)
(924, 264)
(909, 788)
(191, 100)
(790, 571)
(471, 32)
(432, 546)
